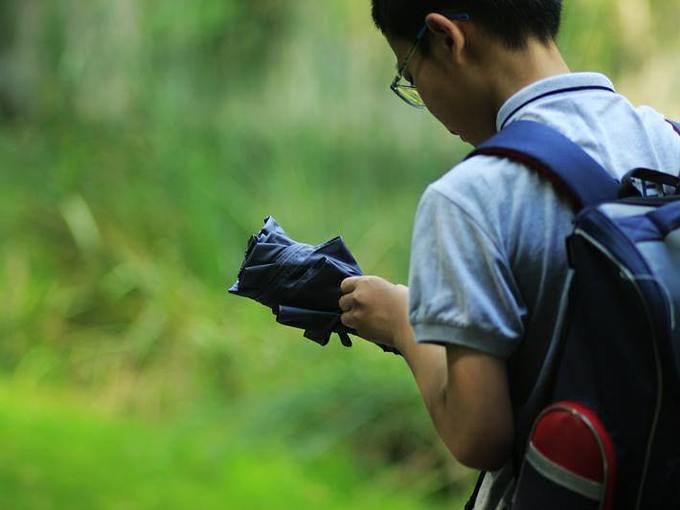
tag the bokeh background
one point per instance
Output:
(141, 143)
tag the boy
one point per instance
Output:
(488, 261)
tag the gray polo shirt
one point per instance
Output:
(488, 259)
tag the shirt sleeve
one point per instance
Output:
(462, 289)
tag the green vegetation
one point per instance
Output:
(61, 456)
(141, 143)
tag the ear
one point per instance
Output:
(449, 32)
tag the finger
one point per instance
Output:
(346, 302)
(347, 319)
(349, 284)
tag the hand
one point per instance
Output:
(375, 308)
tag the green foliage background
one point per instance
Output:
(141, 143)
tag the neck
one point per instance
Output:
(521, 68)
(511, 70)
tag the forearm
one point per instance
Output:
(474, 437)
(428, 364)
(464, 390)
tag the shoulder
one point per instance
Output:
(476, 180)
(475, 174)
(499, 196)
(613, 131)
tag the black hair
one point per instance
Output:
(511, 21)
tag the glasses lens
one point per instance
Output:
(410, 94)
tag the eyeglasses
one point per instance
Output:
(406, 90)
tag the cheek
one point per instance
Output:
(441, 96)
(443, 104)
(438, 108)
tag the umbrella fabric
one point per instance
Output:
(299, 282)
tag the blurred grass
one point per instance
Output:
(141, 143)
(62, 455)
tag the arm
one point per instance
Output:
(462, 292)
(465, 391)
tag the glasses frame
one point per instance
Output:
(407, 91)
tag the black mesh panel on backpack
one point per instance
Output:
(616, 361)
(608, 360)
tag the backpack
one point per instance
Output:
(601, 428)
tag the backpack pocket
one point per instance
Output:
(569, 463)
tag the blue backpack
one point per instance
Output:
(602, 426)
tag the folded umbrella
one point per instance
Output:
(299, 282)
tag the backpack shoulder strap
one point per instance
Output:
(553, 155)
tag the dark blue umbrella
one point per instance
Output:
(299, 282)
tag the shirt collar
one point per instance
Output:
(571, 82)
